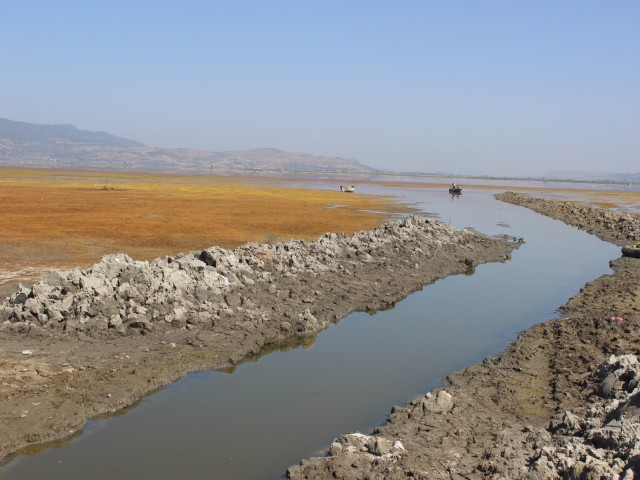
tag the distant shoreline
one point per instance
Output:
(320, 174)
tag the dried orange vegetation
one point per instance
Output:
(52, 218)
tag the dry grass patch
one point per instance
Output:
(63, 218)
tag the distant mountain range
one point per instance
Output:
(579, 176)
(64, 146)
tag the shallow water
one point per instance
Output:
(270, 413)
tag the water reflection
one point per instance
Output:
(284, 346)
(291, 403)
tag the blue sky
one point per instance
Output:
(481, 87)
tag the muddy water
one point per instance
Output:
(268, 414)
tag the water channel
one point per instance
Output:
(288, 405)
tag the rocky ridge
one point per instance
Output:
(89, 341)
(201, 289)
(604, 442)
(605, 224)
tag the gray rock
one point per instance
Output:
(194, 289)
(441, 402)
(379, 446)
(115, 321)
(285, 326)
(33, 306)
(335, 449)
(19, 298)
(41, 290)
(180, 314)
(66, 303)
(307, 322)
(139, 321)
(56, 279)
(54, 314)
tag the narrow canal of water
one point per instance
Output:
(268, 414)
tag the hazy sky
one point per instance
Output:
(511, 87)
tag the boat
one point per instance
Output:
(631, 250)
(455, 190)
(347, 188)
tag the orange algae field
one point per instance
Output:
(55, 218)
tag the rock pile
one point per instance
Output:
(201, 288)
(380, 455)
(604, 443)
(359, 451)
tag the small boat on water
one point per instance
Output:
(455, 190)
(347, 188)
(631, 250)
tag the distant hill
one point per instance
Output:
(64, 146)
(25, 134)
(576, 175)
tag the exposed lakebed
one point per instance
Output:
(289, 405)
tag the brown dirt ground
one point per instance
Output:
(45, 395)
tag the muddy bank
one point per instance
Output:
(87, 342)
(560, 402)
(606, 225)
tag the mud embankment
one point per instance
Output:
(561, 402)
(86, 342)
(606, 225)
